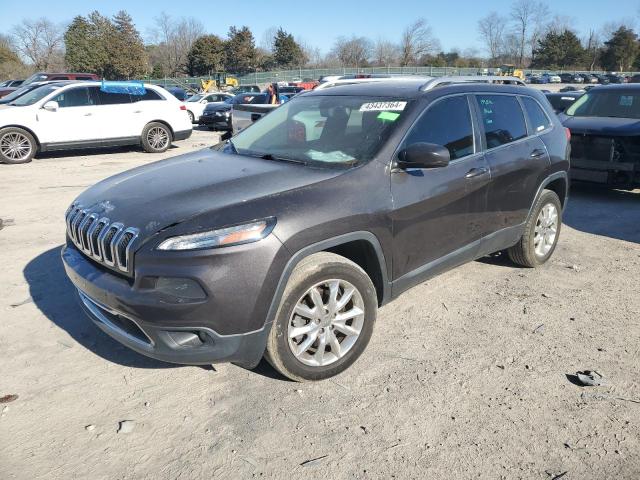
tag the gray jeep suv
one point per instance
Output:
(284, 241)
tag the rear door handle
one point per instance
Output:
(537, 153)
(476, 172)
(137, 111)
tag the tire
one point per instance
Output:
(156, 137)
(325, 273)
(192, 118)
(16, 146)
(540, 234)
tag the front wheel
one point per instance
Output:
(156, 137)
(541, 232)
(16, 146)
(325, 319)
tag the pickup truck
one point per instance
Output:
(243, 115)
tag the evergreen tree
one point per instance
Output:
(206, 56)
(240, 55)
(127, 55)
(558, 50)
(621, 50)
(287, 53)
(79, 46)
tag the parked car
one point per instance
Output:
(285, 240)
(11, 83)
(82, 115)
(634, 79)
(588, 78)
(180, 93)
(196, 103)
(550, 78)
(44, 77)
(218, 116)
(615, 78)
(563, 100)
(602, 79)
(534, 78)
(571, 78)
(22, 90)
(605, 123)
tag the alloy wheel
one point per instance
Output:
(158, 138)
(15, 146)
(326, 323)
(546, 230)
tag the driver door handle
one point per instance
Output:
(537, 153)
(476, 172)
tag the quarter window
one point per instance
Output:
(538, 120)
(502, 119)
(446, 123)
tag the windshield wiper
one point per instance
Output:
(269, 156)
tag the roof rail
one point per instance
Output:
(352, 81)
(439, 81)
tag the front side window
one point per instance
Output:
(323, 130)
(502, 118)
(537, 118)
(75, 97)
(448, 123)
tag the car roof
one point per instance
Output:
(411, 88)
(617, 86)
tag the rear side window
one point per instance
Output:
(447, 123)
(538, 120)
(80, 77)
(149, 95)
(502, 119)
(60, 77)
(113, 98)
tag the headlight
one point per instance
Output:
(224, 237)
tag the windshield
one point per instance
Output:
(36, 77)
(34, 95)
(322, 129)
(16, 94)
(195, 98)
(612, 103)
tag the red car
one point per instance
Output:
(43, 77)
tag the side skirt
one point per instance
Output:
(112, 142)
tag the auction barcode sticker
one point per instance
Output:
(383, 106)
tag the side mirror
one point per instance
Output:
(204, 101)
(51, 106)
(423, 155)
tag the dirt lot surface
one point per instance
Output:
(465, 377)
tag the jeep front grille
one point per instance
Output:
(108, 243)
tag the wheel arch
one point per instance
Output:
(362, 248)
(163, 122)
(26, 129)
(558, 182)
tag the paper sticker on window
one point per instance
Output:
(388, 116)
(382, 106)
(626, 100)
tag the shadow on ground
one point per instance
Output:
(55, 297)
(607, 212)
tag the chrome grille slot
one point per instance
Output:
(103, 241)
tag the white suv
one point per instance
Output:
(66, 115)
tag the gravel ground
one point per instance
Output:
(466, 375)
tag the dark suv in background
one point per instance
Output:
(285, 240)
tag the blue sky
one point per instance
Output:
(319, 23)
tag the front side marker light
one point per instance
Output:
(223, 237)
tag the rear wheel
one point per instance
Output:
(541, 234)
(156, 137)
(16, 146)
(325, 319)
(192, 119)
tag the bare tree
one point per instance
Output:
(40, 42)
(593, 46)
(417, 41)
(174, 39)
(352, 52)
(385, 53)
(267, 38)
(529, 17)
(491, 29)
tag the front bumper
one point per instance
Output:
(228, 324)
(216, 121)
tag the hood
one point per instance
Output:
(169, 192)
(601, 125)
(6, 91)
(217, 107)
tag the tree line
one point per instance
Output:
(528, 35)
